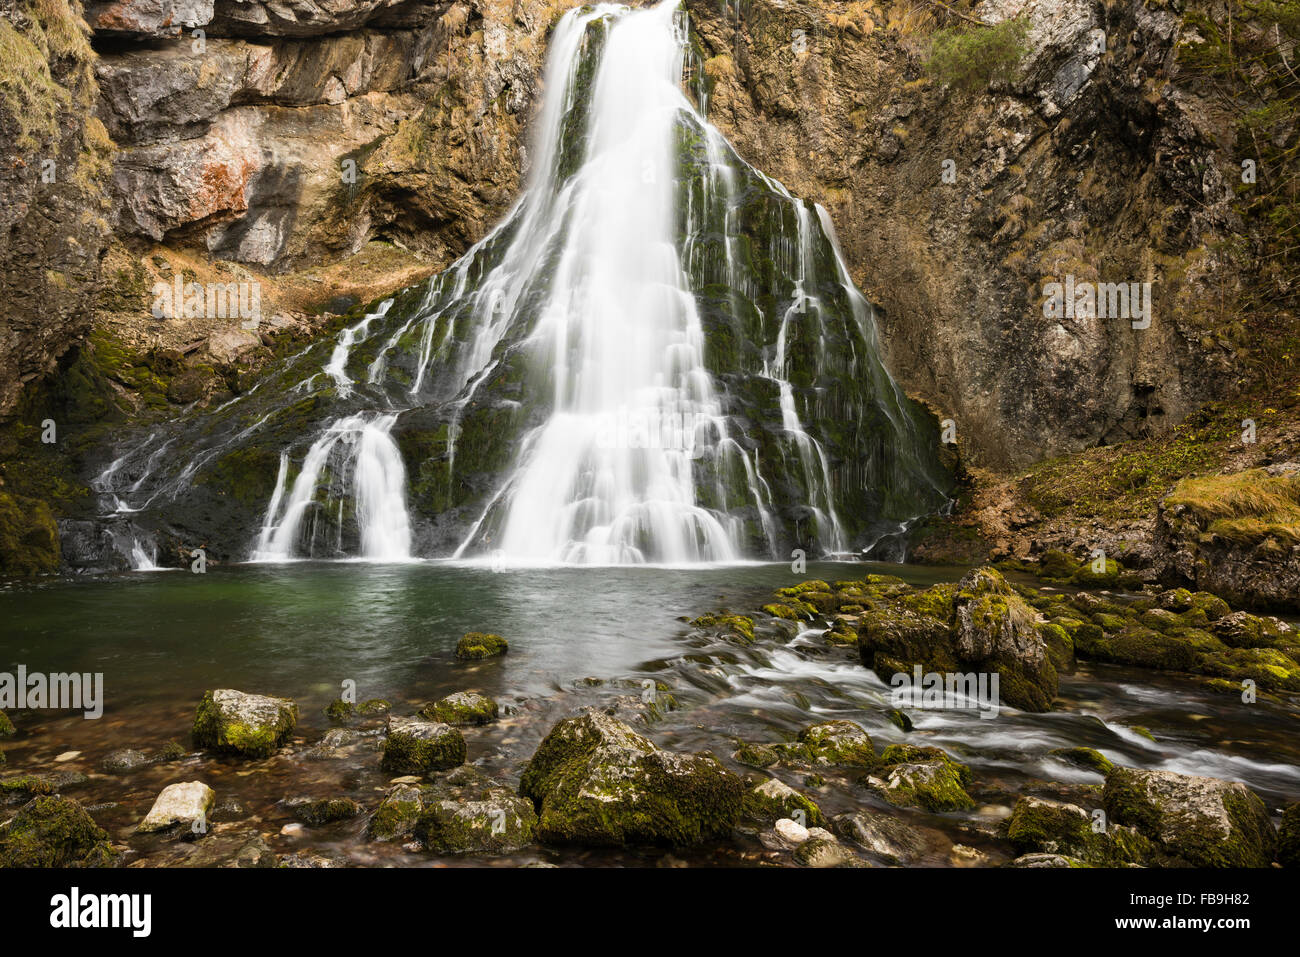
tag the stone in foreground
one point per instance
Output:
(54, 832)
(416, 746)
(1203, 821)
(250, 725)
(596, 781)
(466, 812)
(179, 804)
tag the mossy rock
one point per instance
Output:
(7, 729)
(1203, 821)
(1057, 565)
(922, 777)
(250, 725)
(467, 813)
(477, 645)
(29, 537)
(738, 628)
(397, 814)
(899, 719)
(1088, 759)
(415, 746)
(595, 781)
(768, 802)
(462, 708)
(1060, 646)
(1053, 827)
(1089, 577)
(841, 743)
(1288, 837)
(54, 832)
(317, 812)
(756, 755)
(785, 611)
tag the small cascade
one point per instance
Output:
(142, 561)
(351, 487)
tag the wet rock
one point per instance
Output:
(1087, 759)
(884, 836)
(20, 788)
(179, 804)
(1288, 837)
(921, 777)
(823, 850)
(397, 813)
(978, 626)
(1203, 821)
(1046, 860)
(6, 726)
(415, 746)
(124, 761)
(791, 831)
(773, 800)
(466, 812)
(1054, 827)
(838, 742)
(249, 725)
(230, 850)
(756, 755)
(462, 708)
(595, 781)
(478, 645)
(317, 812)
(340, 710)
(54, 832)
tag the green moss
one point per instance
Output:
(54, 832)
(413, 751)
(756, 755)
(29, 537)
(839, 742)
(214, 731)
(737, 627)
(1087, 758)
(922, 777)
(6, 726)
(772, 800)
(462, 708)
(477, 645)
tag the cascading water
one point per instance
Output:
(657, 356)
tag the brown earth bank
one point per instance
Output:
(342, 151)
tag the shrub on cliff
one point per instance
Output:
(970, 58)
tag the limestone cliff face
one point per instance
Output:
(54, 165)
(1104, 162)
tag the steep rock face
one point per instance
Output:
(282, 134)
(53, 165)
(1104, 166)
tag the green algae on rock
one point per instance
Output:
(773, 799)
(838, 742)
(1203, 821)
(416, 746)
(477, 645)
(921, 777)
(54, 832)
(462, 708)
(595, 781)
(249, 725)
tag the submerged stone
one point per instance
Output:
(462, 708)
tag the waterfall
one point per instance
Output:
(657, 356)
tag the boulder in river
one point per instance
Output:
(1288, 837)
(54, 831)
(838, 742)
(317, 812)
(250, 725)
(466, 812)
(416, 746)
(886, 837)
(1203, 821)
(595, 781)
(921, 777)
(477, 645)
(1041, 825)
(772, 800)
(179, 805)
(397, 813)
(978, 626)
(461, 708)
